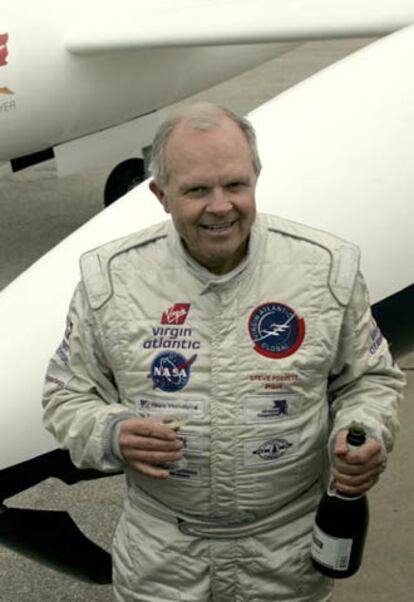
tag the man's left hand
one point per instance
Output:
(356, 470)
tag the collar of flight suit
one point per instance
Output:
(208, 279)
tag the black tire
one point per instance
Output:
(123, 178)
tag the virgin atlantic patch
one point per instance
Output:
(276, 330)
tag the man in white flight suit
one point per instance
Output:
(217, 358)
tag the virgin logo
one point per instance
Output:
(176, 314)
(4, 38)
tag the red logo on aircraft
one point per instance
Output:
(4, 53)
(4, 38)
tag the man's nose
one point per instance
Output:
(219, 201)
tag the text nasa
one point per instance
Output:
(171, 338)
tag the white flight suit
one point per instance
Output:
(261, 366)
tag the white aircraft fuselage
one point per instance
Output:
(84, 80)
(325, 163)
(70, 70)
(49, 95)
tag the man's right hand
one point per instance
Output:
(149, 446)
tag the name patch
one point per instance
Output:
(266, 408)
(171, 408)
(191, 474)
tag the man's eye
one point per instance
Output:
(196, 191)
(235, 185)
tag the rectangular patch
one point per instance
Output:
(377, 338)
(192, 442)
(270, 408)
(191, 474)
(171, 408)
(269, 450)
(57, 379)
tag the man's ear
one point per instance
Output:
(160, 194)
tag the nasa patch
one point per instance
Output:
(276, 330)
(171, 371)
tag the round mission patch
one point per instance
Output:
(276, 330)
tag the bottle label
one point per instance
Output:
(332, 552)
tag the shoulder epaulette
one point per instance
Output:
(95, 264)
(345, 256)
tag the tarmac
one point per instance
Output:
(37, 211)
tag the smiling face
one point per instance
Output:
(210, 192)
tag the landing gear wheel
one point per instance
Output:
(123, 178)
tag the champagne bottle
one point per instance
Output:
(341, 525)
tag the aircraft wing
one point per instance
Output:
(336, 152)
(222, 22)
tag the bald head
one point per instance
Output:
(202, 117)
